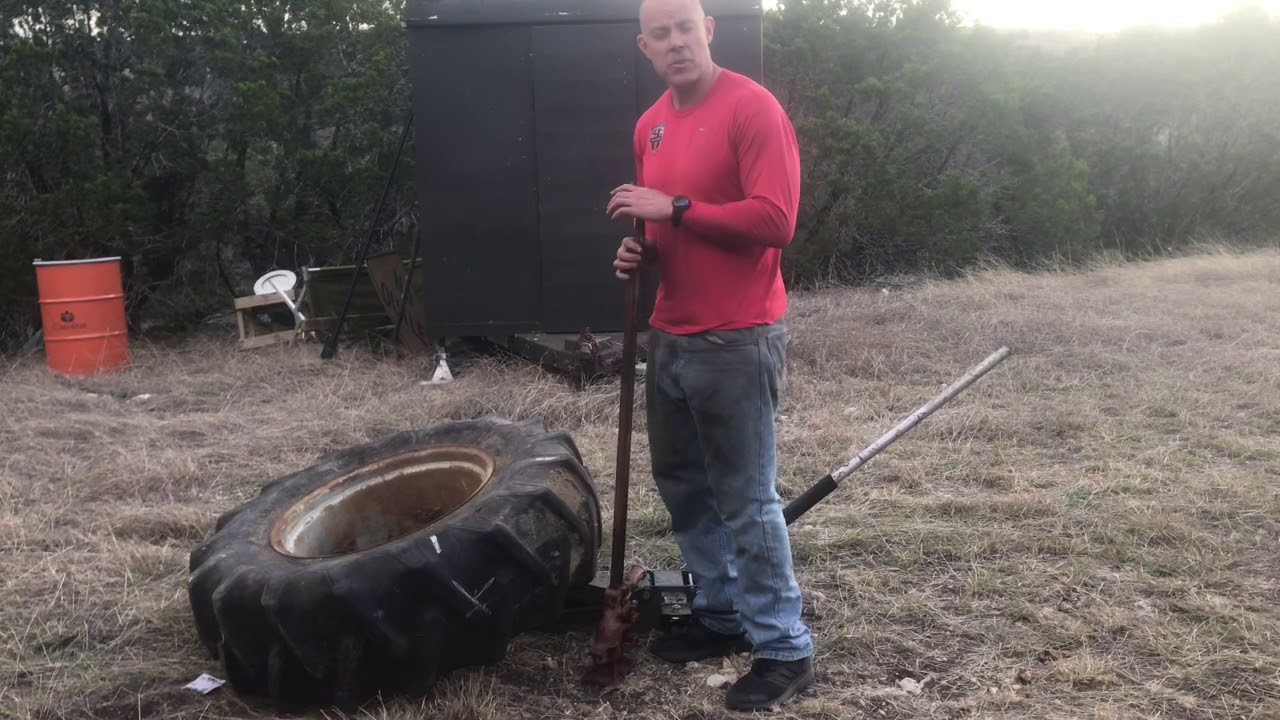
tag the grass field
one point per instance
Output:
(1092, 531)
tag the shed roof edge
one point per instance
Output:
(427, 13)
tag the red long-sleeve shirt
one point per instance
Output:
(735, 155)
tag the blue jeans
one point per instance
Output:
(711, 400)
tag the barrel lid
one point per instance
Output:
(38, 261)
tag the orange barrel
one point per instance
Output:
(82, 313)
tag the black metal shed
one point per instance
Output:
(524, 112)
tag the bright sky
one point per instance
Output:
(1098, 15)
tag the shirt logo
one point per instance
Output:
(655, 136)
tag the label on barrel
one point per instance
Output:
(68, 319)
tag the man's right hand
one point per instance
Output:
(631, 255)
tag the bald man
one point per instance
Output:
(717, 184)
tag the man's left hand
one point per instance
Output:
(640, 203)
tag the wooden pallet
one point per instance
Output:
(252, 332)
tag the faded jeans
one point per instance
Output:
(711, 400)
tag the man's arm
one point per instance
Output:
(769, 162)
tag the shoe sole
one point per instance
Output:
(803, 684)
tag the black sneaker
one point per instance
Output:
(770, 683)
(698, 642)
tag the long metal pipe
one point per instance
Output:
(826, 485)
(622, 474)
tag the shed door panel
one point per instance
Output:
(585, 109)
(476, 167)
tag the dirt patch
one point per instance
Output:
(135, 697)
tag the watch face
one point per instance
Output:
(682, 202)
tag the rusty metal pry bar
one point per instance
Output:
(618, 618)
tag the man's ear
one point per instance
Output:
(640, 43)
(711, 28)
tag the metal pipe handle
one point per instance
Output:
(622, 474)
(828, 484)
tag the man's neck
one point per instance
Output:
(688, 97)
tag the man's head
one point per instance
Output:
(676, 37)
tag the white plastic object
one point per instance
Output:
(275, 281)
(442, 373)
(279, 282)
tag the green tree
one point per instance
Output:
(205, 142)
(1051, 210)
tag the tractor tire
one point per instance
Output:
(387, 565)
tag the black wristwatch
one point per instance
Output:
(678, 207)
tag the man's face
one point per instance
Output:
(676, 37)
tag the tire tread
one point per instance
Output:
(397, 618)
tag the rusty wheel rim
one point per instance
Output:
(382, 502)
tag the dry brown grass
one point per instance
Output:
(1090, 532)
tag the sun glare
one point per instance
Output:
(1097, 15)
